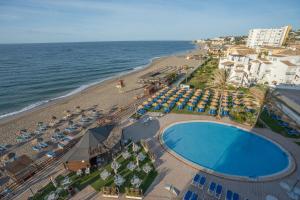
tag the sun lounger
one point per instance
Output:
(194, 196)
(196, 180)
(202, 182)
(218, 191)
(211, 189)
(228, 195)
(188, 195)
(236, 196)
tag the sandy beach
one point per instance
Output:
(105, 95)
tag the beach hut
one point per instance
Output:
(212, 110)
(95, 143)
(200, 108)
(20, 169)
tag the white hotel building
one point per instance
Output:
(247, 66)
(274, 37)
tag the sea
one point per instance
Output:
(34, 74)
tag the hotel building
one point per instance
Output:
(274, 37)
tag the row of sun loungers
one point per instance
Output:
(214, 189)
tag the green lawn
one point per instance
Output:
(203, 75)
(272, 123)
(93, 179)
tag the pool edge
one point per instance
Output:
(275, 176)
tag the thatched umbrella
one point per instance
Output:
(142, 107)
(212, 108)
(224, 104)
(182, 100)
(145, 103)
(200, 106)
(213, 103)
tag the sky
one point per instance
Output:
(35, 21)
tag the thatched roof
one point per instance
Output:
(93, 143)
(20, 167)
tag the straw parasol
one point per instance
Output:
(140, 107)
(225, 109)
(181, 100)
(154, 96)
(169, 101)
(155, 104)
(200, 106)
(145, 103)
(237, 102)
(224, 104)
(159, 101)
(150, 99)
(165, 105)
(247, 103)
(205, 96)
(215, 100)
(190, 104)
(178, 103)
(213, 103)
(212, 108)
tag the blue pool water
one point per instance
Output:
(225, 149)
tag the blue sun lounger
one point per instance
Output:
(196, 180)
(236, 196)
(211, 189)
(194, 196)
(218, 191)
(228, 195)
(188, 195)
(202, 182)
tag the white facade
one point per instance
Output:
(248, 69)
(267, 37)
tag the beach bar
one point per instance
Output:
(95, 148)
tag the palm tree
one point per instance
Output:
(220, 81)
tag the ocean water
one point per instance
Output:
(225, 149)
(33, 74)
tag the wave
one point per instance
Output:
(83, 87)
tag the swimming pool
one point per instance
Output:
(225, 149)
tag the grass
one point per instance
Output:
(273, 124)
(147, 179)
(203, 75)
(93, 179)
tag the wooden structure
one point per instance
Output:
(149, 89)
(94, 144)
(20, 169)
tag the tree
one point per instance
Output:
(219, 81)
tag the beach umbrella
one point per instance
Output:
(237, 102)
(165, 105)
(200, 106)
(172, 98)
(169, 101)
(181, 100)
(190, 104)
(225, 109)
(145, 103)
(224, 104)
(213, 103)
(154, 96)
(202, 102)
(247, 103)
(178, 103)
(159, 101)
(150, 99)
(212, 107)
(141, 107)
(215, 100)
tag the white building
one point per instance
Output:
(274, 37)
(247, 67)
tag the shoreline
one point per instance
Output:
(45, 103)
(104, 94)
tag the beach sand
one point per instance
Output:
(105, 95)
